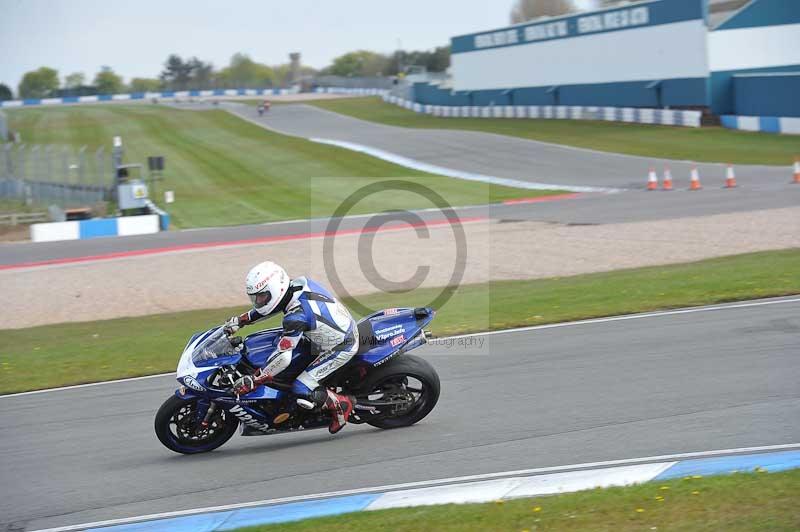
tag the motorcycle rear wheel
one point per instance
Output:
(176, 427)
(393, 378)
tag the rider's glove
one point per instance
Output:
(248, 383)
(232, 325)
(244, 385)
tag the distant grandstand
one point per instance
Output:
(725, 57)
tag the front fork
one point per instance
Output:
(205, 409)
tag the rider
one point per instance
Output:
(319, 336)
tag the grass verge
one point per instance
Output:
(227, 171)
(735, 503)
(73, 353)
(708, 144)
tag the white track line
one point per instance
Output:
(458, 174)
(488, 333)
(424, 483)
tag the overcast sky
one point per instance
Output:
(135, 37)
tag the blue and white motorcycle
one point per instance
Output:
(391, 390)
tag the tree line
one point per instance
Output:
(242, 71)
(525, 10)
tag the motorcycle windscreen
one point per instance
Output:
(213, 350)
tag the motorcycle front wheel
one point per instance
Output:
(177, 427)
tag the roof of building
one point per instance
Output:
(722, 10)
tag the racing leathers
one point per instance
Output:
(319, 336)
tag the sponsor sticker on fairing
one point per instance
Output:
(388, 332)
(192, 383)
(397, 340)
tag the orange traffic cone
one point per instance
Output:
(730, 177)
(796, 179)
(667, 184)
(652, 180)
(695, 183)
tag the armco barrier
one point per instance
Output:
(765, 124)
(350, 90)
(96, 227)
(72, 100)
(665, 117)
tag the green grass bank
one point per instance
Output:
(227, 171)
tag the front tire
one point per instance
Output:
(394, 378)
(176, 427)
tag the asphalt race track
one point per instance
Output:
(494, 155)
(671, 383)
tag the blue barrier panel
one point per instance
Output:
(769, 124)
(219, 92)
(137, 96)
(730, 121)
(104, 97)
(163, 221)
(70, 99)
(32, 101)
(241, 92)
(168, 94)
(97, 227)
(194, 93)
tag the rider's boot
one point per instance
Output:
(340, 407)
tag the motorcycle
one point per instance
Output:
(392, 388)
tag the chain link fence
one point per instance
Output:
(59, 175)
(3, 127)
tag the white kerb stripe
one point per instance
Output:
(137, 225)
(50, 232)
(490, 490)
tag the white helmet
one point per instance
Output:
(266, 284)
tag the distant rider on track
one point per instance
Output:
(319, 337)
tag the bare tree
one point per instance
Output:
(524, 10)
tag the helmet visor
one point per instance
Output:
(260, 299)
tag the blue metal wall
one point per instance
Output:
(750, 95)
(668, 93)
(722, 89)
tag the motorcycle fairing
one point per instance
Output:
(388, 332)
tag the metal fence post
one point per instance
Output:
(21, 161)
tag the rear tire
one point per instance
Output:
(398, 369)
(178, 414)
